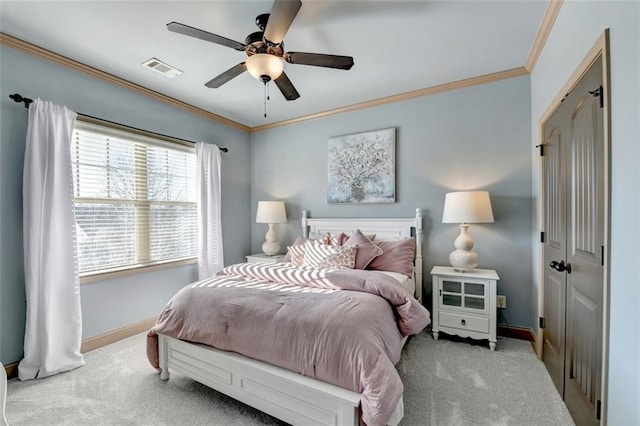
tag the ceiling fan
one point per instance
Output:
(265, 49)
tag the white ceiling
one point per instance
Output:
(397, 46)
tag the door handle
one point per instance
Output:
(560, 266)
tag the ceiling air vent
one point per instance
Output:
(159, 66)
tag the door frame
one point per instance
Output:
(599, 49)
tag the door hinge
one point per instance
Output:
(541, 146)
(599, 93)
(602, 255)
(542, 236)
(543, 322)
(598, 409)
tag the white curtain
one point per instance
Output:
(53, 332)
(210, 255)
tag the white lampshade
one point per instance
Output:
(463, 208)
(467, 207)
(271, 212)
(265, 64)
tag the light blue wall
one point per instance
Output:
(472, 138)
(576, 30)
(115, 303)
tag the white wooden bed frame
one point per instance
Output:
(286, 395)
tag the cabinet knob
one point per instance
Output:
(463, 322)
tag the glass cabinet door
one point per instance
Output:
(474, 297)
(462, 294)
(451, 293)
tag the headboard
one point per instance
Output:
(382, 227)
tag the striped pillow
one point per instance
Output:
(318, 255)
(295, 254)
(324, 238)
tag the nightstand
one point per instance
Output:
(464, 303)
(263, 258)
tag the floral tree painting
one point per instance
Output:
(362, 167)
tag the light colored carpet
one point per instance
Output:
(446, 383)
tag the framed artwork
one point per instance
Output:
(362, 167)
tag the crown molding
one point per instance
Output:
(460, 84)
(549, 18)
(47, 55)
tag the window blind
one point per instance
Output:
(134, 199)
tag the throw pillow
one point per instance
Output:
(367, 250)
(343, 258)
(295, 254)
(397, 256)
(324, 238)
(318, 255)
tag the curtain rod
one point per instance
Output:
(27, 102)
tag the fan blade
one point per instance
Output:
(319, 60)
(288, 91)
(227, 75)
(283, 12)
(179, 28)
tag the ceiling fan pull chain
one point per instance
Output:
(265, 100)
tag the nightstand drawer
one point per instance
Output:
(464, 322)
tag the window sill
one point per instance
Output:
(102, 276)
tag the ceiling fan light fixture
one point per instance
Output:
(265, 64)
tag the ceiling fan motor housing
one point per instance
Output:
(261, 21)
(254, 39)
(256, 44)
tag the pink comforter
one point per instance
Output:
(341, 327)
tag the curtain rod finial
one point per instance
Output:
(19, 98)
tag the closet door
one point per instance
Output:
(585, 251)
(573, 171)
(555, 178)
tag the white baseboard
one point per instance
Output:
(116, 335)
(98, 341)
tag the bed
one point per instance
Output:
(286, 393)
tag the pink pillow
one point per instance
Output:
(367, 250)
(397, 256)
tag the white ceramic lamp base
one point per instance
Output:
(270, 247)
(463, 259)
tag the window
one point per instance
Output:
(134, 199)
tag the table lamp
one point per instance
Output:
(271, 212)
(464, 208)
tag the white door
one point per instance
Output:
(574, 246)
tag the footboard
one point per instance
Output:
(291, 397)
